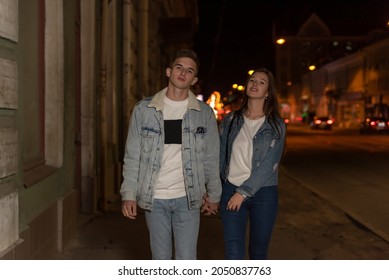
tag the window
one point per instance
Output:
(32, 84)
(31, 81)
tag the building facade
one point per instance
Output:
(71, 72)
(319, 74)
(312, 45)
(376, 85)
(351, 88)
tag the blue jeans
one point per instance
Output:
(261, 211)
(171, 219)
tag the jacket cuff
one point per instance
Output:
(244, 190)
(127, 196)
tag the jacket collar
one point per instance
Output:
(157, 101)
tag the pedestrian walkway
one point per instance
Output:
(307, 228)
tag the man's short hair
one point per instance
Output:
(187, 53)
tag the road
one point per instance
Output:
(323, 176)
(349, 170)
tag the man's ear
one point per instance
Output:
(168, 72)
(194, 81)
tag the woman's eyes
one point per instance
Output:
(257, 82)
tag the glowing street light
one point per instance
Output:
(238, 87)
(250, 72)
(311, 67)
(214, 101)
(280, 41)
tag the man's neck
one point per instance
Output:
(177, 94)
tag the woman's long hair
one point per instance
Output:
(270, 107)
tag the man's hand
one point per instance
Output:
(129, 209)
(209, 207)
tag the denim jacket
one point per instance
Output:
(145, 145)
(268, 148)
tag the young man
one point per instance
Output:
(171, 162)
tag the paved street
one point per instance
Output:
(308, 228)
(346, 168)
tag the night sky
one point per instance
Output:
(235, 36)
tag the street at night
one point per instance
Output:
(342, 177)
(333, 188)
(107, 117)
(349, 169)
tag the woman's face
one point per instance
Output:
(257, 86)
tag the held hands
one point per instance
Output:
(129, 209)
(209, 207)
(235, 202)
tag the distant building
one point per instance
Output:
(308, 68)
(376, 82)
(352, 87)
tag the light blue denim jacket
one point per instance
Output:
(145, 145)
(268, 148)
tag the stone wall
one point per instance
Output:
(9, 230)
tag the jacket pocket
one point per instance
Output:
(199, 135)
(149, 138)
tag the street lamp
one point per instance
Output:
(280, 41)
(238, 87)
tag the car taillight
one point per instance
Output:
(373, 123)
(318, 122)
(330, 121)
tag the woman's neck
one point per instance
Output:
(254, 110)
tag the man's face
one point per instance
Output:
(183, 73)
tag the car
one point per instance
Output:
(374, 125)
(322, 123)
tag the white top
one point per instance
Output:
(170, 182)
(242, 151)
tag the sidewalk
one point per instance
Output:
(308, 228)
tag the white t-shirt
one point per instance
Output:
(242, 151)
(170, 182)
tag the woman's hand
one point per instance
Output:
(235, 202)
(208, 207)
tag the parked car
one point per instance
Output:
(374, 125)
(322, 123)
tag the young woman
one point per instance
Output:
(252, 143)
